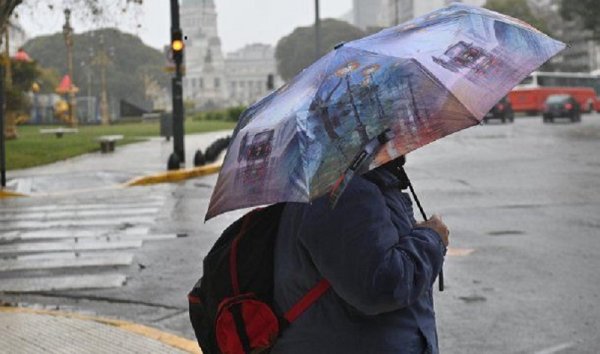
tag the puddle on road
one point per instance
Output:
(506, 233)
(522, 206)
(472, 299)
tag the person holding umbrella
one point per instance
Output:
(347, 224)
(380, 262)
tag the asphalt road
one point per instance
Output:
(522, 202)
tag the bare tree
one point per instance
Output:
(99, 11)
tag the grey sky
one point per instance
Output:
(240, 22)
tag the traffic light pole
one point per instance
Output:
(177, 88)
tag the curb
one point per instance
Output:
(163, 177)
(148, 332)
(8, 194)
(174, 176)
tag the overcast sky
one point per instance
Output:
(240, 22)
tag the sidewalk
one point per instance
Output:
(98, 170)
(25, 330)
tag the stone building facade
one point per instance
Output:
(211, 80)
(248, 70)
(204, 80)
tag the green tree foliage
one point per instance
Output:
(517, 9)
(48, 80)
(130, 61)
(587, 12)
(296, 51)
(23, 76)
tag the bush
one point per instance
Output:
(233, 113)
(230, 114)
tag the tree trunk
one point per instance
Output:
(10, 131)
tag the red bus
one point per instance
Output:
(530, 94)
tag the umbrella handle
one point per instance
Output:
(412, 191)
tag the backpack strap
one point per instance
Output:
(233, 271)
(307, 300)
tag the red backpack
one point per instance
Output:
(231, 306)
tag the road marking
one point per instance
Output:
(7, 226)
(64, 255)
(87, 245)
(459, 252)
(70, 233)
(74, 207)
(80, 281)
(57, 215)
(149, 237)
(103, 260)
(556, 349)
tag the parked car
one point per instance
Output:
(561, 106)
(501, 110)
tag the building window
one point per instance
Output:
(217, 82)
(201, 82)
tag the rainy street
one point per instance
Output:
(522, 202)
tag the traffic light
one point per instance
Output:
(270, 82)
(177, 46)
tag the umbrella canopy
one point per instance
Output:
(371, 100)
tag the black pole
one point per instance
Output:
(177, 90)
(2, 146)
(317, 31)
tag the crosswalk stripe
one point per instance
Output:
(96, 281)
(18, 225)
(149, 237)
(57, 215)
(61, 233)
(89, 245)
(64, 255)
(75, 207)
(77, 262)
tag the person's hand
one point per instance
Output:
(436, 224)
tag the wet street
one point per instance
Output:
(522, 202)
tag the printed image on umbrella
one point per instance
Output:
(374, 99)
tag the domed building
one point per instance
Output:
(204, 80)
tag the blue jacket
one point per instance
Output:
(380, 267)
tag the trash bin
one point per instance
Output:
(166, 125)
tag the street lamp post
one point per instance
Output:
(103, 59)
(68, 34)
